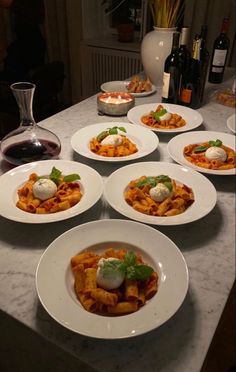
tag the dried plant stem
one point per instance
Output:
(174, 11)
(180, 12)
(152, 11)
(166, 13)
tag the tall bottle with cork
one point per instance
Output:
(219, 54)
(191, 83)
(204, 57)
(183, 52)
(171, 76)
(184, 57)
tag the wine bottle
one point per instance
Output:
(184, 55)
(190, 90)
(219, 55)
(183, 52)
(204, 54)
(171, 76)
(204, 58)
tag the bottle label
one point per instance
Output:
(185, 95)
(219, 57)
(166, 84)
(196, 49)
(217, 69)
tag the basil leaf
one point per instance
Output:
(162, 112)
(168, 185)
(147, 181)
(130, 273)
(162, 178)
(102, 135)
(141, 183)
(200, 149)
(122, 129)
(55, 172)
(156, 116)
(218, 143)
(55, 175)
(152, 181)
(130, 259)
(71, 177)
(110, 268)
(113, 130)
(139, 272)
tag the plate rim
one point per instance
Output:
(166, 131)
(185, 163)
(229, 119)
(152, 220)
(21, 216)
(172, 247)
(90, 155)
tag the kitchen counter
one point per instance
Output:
(208, 245)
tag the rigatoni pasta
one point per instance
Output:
(210, 155)
(162, 119)
(133, 292)
(124, 149)
(158, 196)
(111, 144)
(49, 194)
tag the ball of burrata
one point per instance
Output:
(112, 140)
(166, 116)
(160, 192)
(216, 153)
(109, 278)
(44, 189)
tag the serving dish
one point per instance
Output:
(176, 146)
(192, 117)
(121, 86)
(145, 140)
(54, 281)
(203, 189)
(12, 180)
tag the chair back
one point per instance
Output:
(49, 80)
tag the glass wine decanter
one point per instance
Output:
(29, 142)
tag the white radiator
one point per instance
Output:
(100, 65)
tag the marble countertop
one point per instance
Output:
(208, 245)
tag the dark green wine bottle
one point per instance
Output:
(191, 83)
(171, 76)
(219, 55)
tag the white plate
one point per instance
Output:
(145, 142)
(54, 281)
(176, 146)
(11, 181)
(231, 124)
(192, 117)
(121, 86)
(204, 191)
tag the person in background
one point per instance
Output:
(28, 49)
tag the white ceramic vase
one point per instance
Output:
(156, 46)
